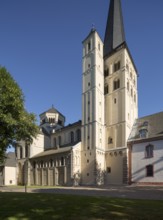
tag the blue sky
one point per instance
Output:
(41, 46)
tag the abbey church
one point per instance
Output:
(110, 144)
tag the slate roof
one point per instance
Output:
(56, 151)
(78, 123)
(52, 110)
(153, 124)
(52, 151)
(114, 34)
(10, 160)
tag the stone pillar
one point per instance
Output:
(65, 175)
(56, 176)
(28, 172)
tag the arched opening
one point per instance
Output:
(72, 136)
(78, 135)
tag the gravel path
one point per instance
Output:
(133, 192)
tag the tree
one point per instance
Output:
(15, 122)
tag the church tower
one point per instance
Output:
(93, 138)
(121, 98)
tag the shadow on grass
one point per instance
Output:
(27, 206)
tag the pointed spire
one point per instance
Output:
(114, 34)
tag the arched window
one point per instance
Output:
(106, 89)
(62, 161)
(106, 72)
(143, 133)
(72, 136)
(21, 152)
(59, 140)
(51, 120)
(149, 170)
(116, 84)
(34, 164)
(78, 135)
(42, 164)
(26, 150)
(149, 151)
(16, 153)
(51, 163)
(110, 140)
(89, 46)
(55, 142)
(117, 66)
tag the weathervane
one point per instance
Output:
(93, 26)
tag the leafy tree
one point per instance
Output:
(15, 122)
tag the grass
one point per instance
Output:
(29, 206)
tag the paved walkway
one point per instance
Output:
(133, 192)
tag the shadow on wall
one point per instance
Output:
(137, 176)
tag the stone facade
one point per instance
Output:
(93, 151)
(93, 129)
(55, 164)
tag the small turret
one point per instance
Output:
(51, 120)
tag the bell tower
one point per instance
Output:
(121, 98)
(109, 102)
(93, 138)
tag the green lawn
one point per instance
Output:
(25, 206)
